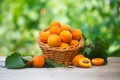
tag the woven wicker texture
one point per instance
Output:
(59, 54)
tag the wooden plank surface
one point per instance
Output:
(111, 71)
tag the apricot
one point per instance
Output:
(43, 36)
(54, 40)
(84, 62)
(76, 59)
(29, 63)
(66, 27)
(97, 61)
(55, 23)
(76, 34)
(38, 61)
(73, 42)
(64, 45)
(55, 30)
(65, 36)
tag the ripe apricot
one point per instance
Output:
(65, 36)
(55, 30)
(66, 27)
(55, 23)
(76, 59)
(73, 42)
(54, 40)
(38, 61)
(76, 34)
(84, 62)
(43, 36)
(64, 45)
(97, 61)
(29, 63)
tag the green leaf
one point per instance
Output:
(101, 43)
(15, 61)
(50, 63)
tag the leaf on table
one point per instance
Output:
(50, 63)
(15, 61)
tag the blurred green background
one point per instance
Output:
(21, 21)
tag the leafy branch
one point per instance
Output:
(96, 49)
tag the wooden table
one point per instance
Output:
(111, 71)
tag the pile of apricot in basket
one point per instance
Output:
(60, 35)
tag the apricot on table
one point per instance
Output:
(43, 36)
(29, 63)
(55, 23)
(76, 34)
(38, 61)
(65, 36)
(84, 62)
(97, 61)
(76, 59)
(54, 40)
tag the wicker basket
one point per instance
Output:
(61, 55)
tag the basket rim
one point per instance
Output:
(80, 44)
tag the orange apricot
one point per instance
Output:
(43, 36)
(55, 30)
(73, 42)
(29, 63)
(65, 36)
(76, 59)
(97, 61)
(55, 23)
(84, 62)
(54, 40)
(66, 27)
(76, 34)
(38, 61)
(64, 45)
